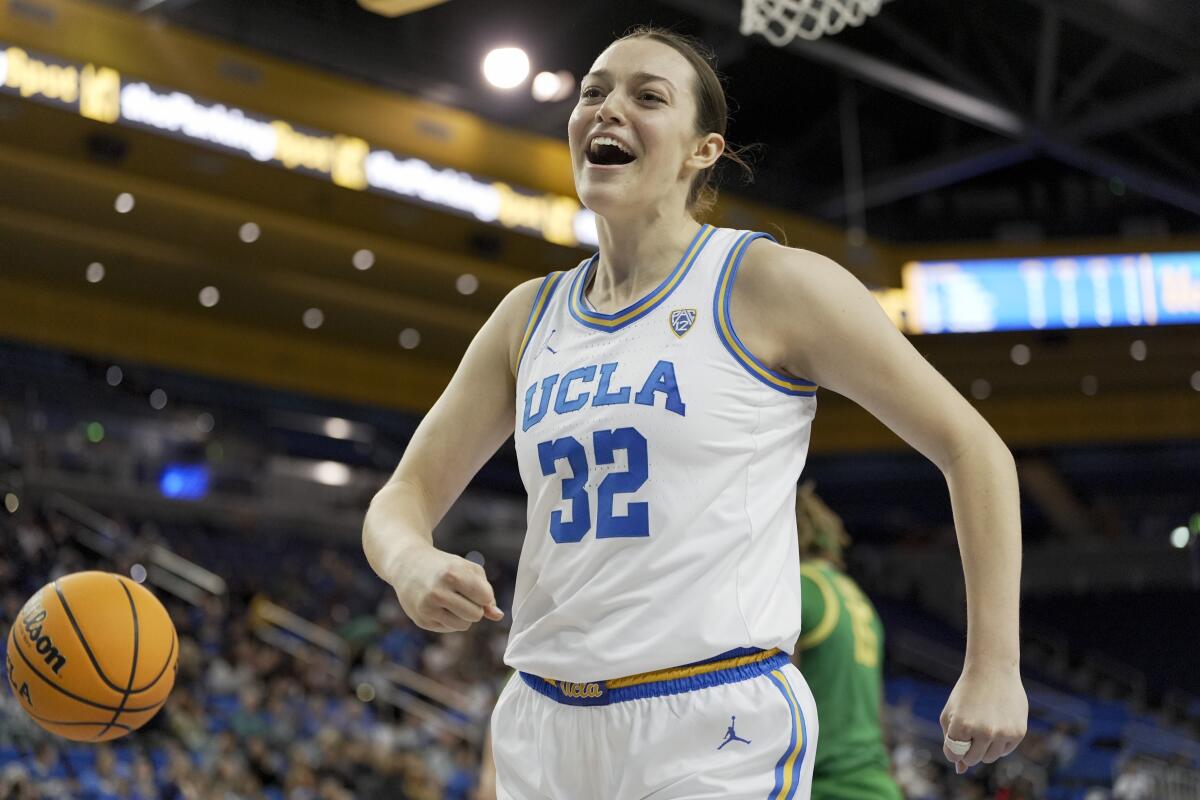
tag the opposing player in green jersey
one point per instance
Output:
(840, 653)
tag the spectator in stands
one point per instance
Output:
(1135, 780)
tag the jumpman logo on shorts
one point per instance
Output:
(731, 734)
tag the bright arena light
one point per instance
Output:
(466, 283)
(1180, 537)
(337, 428)
(1196, 380)
(11, 503)
(209, 296)
(1089, 385)
(981, 389)
(363, 259)
(95, 272)
(331, 473)
(410, 338)
(550, 87)
(124, 203)
(114, 375)
(313, 318)
(249, 232)
(158, 399)
(506, 67)
(1137, 350)
(205, 422)
(1020, 354)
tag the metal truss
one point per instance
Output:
(1044, 128)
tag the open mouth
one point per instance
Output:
(606, 152)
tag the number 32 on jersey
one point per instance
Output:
(605, 444)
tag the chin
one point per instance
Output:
(605, 201)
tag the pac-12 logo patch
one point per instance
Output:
(682, 320)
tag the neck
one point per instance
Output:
(635, 255)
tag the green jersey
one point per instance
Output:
(841, 655)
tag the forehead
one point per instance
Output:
(625, 58)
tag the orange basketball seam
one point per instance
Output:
(133, 666)
(72, 695)
(62, 598)
(162, 671)
(87, 649)
(66, 722)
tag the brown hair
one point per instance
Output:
(712, 111)
(821, 532)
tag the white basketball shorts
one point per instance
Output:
(740, 726)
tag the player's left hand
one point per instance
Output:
(987, 708)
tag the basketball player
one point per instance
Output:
(661, 394)
(840, 653)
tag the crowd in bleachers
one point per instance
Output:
(248, 720)
(251, 720)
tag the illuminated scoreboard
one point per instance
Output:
(1052, 293)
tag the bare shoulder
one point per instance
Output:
(783, 299)
(769, 268)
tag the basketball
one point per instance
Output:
(92, 656)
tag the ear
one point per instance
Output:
(707, 151)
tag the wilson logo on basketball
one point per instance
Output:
(42, 643)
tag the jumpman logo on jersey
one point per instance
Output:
(731, 734)
(548, 338)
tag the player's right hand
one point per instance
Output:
(442, 592)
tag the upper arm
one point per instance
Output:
(814, 319)
(474, 414)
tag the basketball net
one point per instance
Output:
(781, 21)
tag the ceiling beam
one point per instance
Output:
(928, 174)
(1088, 77)
(1047, 66)
(1174, 96)
(1113, 25)
(877, 72)
(1140, 180)
(932, 56)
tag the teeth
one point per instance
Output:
(599, 140)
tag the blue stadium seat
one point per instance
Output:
(80, 758)
(1089, 766)
(9, 754)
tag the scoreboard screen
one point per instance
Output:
(1052, 293)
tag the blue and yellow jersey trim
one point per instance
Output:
(787, 769)
(541, 302)
(787, 384)
(612, 322)
(730, 667)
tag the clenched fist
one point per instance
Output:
(987, 712)
(442, 592)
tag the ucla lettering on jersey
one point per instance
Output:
(661, 460)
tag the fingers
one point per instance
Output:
(997, 749)
(469, 580)
(985, 747)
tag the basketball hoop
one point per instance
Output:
(781, 21)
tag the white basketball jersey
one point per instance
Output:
(661, 461)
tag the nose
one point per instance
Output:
(611, 110)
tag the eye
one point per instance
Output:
(585, 93)
(653, 97)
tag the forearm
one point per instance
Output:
(987, 517)
(397, 519)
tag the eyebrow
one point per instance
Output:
(640, 77)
